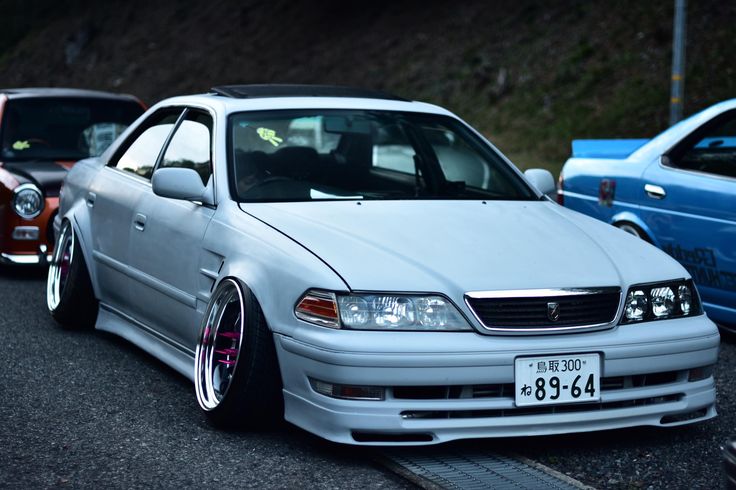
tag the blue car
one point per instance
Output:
(677, 191)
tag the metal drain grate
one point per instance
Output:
(471, 471)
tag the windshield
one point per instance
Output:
(62, 128)
(327, 155)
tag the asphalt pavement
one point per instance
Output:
(89, 410)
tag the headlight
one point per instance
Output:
(380, 311)
(637, 305)
(659, 301)
(27, 201)
(663, 301)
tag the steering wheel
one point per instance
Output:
(37, 141)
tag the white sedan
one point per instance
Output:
(373, 270)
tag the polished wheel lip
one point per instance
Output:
(205, 355)
(61, 261)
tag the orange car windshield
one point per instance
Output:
(62, 128)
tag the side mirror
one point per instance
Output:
(181, 183)
(542, 179)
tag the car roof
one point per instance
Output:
(238, 98)
(293, 90)
(24, 92)
(665, 140)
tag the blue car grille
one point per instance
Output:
(521, 313)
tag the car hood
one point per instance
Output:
(459, 246)
(47, 175)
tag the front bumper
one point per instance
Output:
(427, 359)
(23, 251)
(40, 258)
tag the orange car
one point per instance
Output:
(43, 131)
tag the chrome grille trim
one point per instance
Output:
(537, 293)
(546, 328)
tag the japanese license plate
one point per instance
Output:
(557, 379)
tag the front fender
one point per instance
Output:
(79, 218)
(277, 269)
(73, 208)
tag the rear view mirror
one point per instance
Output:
(181, 183)
(343, 124)
(542, 179)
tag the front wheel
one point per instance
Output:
(236, 373)
(69, 294)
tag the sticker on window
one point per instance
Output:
(21, 145)
(270, 136)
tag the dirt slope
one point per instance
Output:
(531, 75)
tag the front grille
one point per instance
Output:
(506, 390)
(544, 410)
(532, 310)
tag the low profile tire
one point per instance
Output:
(632, 229)
(236, 373)
(69, 294)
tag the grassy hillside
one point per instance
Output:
(531, 75)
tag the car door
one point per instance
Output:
(690, 206)
(167, 292)
(112, 198)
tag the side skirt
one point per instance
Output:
(175, 355)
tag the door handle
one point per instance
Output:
(139, 222)
(91, 196)
(655, 191)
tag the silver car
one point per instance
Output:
(373, 270)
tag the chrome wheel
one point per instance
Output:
(219, 345)
(61, 262)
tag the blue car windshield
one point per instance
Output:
(311, 155)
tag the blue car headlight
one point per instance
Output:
(659, 301)
(381, 311)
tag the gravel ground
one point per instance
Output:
(88, 410)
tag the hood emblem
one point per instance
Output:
(553, 311)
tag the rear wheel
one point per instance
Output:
(237, 380)
(633, 229)
(69, 294)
